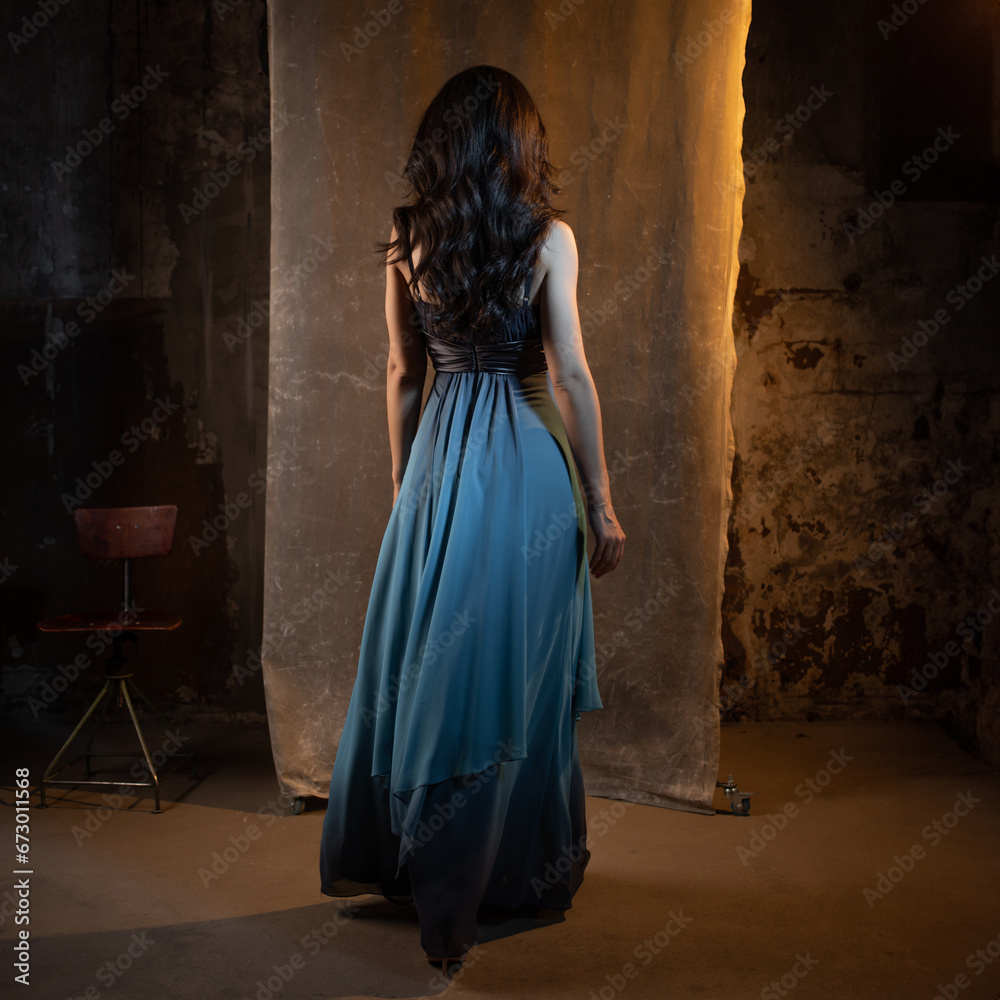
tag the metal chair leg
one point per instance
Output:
(116, 678)
(145, 751)
(49, 772)
(166, 724)
(97, 725)
(142, 694)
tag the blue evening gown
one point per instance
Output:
(457, 778)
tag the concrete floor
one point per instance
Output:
(126, 904)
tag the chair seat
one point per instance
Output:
(100, 621)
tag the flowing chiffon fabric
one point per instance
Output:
(457, 778)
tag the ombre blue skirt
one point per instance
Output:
(457, 778)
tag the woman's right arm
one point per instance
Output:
(575, 394)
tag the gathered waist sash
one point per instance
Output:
(515, 357)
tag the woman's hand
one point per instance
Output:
(609, 537)
(395, 493)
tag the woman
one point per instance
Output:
(457, 779)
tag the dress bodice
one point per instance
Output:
(519, 352)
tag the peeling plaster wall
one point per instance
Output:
(131, 208)
(864, 526)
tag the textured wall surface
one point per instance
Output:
(643, 107)
(120, 214)
(862, 576)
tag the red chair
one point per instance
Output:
(124, 533)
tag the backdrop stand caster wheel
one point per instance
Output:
(739, 801)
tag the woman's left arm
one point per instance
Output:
(405, 371)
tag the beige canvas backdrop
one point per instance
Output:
(643, 105)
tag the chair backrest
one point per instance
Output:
(125, 532)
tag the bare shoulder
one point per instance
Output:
(558, 257)
(400, 263)
(559, 242)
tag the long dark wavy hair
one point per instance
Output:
(480, 203)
